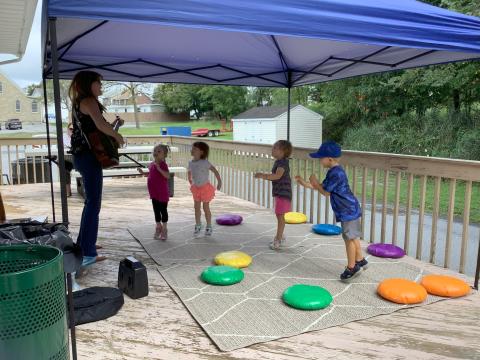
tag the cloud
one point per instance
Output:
(29, 69)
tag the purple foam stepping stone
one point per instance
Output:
(229, 219)
(386, 251)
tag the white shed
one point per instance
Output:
(267, 124)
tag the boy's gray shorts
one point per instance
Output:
(352, 229)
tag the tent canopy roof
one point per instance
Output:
(258, 43)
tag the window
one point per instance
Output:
(17, 106)
(34, 106)
(1, 88)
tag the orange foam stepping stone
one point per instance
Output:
(446, 286)
(402, 291)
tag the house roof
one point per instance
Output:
(263, 112)
(13, 83)
(16, 20)
(269, 112)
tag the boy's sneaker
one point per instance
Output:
(362, 263)
(350, 273)
(208, 230)
(197, 229)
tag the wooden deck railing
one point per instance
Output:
(398, 193)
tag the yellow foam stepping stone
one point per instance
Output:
(295, 218)
(446, 286)
(402, 291)
(236, 259)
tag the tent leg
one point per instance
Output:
(58, 119)
(477, 271)
(49, 144)
(288, 116)
(71, 316)
(289, 87)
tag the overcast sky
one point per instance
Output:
(28, 70)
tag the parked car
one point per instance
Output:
(13, 124)
(206, 132)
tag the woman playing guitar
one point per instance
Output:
(87, 116)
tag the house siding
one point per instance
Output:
(8, 98)
(305, 127)
(262, 131)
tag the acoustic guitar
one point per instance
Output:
(104, 147)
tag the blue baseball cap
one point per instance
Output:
(327, 149)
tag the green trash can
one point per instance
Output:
(33, 321)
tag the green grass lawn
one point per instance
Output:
(154, 128)
(17, 135)
(429, 194)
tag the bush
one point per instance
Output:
(468, 145)
(437, 133)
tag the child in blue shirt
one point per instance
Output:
(344, 204)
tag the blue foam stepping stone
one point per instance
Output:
(222, 275)
(327, 229)
(307, 297)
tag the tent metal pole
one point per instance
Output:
(289, 103)
(288, 116)
(49, 144)
(58, 119)
(477, 271)
(71, 315)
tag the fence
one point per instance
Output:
(397, 192)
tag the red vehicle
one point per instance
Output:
(206, 132)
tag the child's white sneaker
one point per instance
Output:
(208, 230)
(164, 234)
(198, 228)
(158, 231)
(276, 244)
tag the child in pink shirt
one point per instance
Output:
(157, 184)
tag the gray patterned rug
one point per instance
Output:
(252, 311)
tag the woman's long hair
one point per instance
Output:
(81, 87)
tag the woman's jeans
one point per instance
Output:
(88, 166)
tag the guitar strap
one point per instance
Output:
(79, 125)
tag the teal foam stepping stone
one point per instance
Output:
(327, 229)
(222, 275)
(307, 297)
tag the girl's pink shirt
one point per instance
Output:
(157, 183)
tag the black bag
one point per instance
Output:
(96, 303)
(31, 232)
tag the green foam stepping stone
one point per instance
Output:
(307, 297)
(222, 275)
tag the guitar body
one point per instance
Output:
(104, 147)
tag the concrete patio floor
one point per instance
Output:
(160, 327)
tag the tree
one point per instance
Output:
(259, 96)
(134, 89)
(64, 98)
(181, 98)
(226, 101)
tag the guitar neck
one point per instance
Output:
(116, 124)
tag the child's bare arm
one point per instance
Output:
(217, 176)
(140, 170)
(189, 174)
(317, 186)
(164, 173)
(302, 182)
(271, 177)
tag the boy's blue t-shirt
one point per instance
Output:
(344, 204)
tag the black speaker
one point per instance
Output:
(132, 278)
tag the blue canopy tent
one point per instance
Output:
(277, 43)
